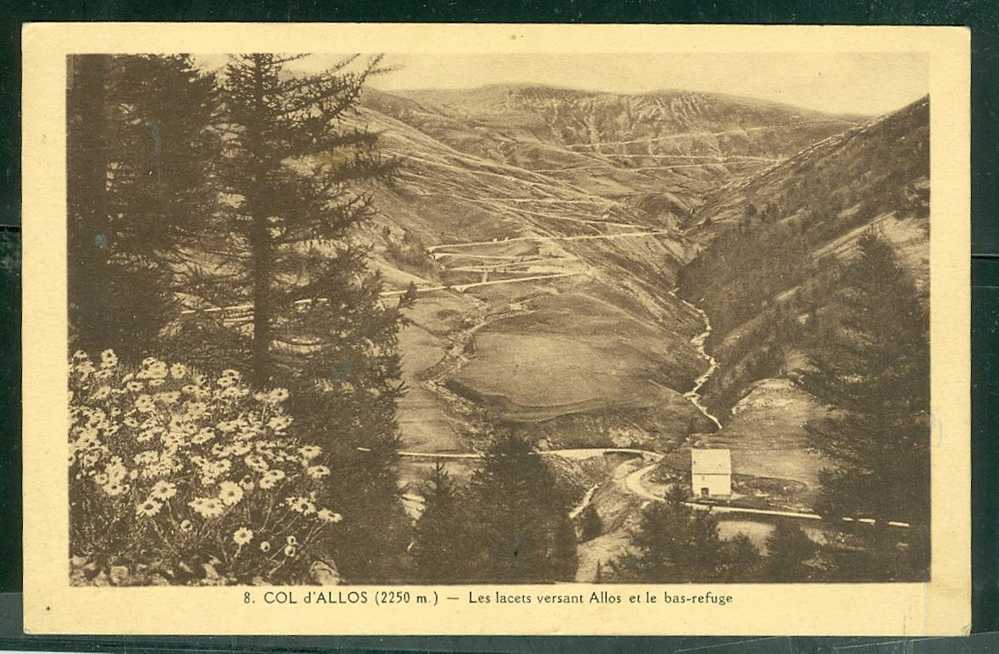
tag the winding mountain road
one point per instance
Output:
(245, 311)
(548, 239)
(635, 484)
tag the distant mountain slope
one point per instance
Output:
(677, 144)
(881, 165)
(819, 201)
(516, 270)
(674, 123)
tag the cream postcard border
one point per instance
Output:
(939, 607)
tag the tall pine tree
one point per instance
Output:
(296, 178)
(677, 543)
(788, 547)
(88, 221)
(873, 373)
(141, 148)
(441, 546)
(673, 543)
(519, 519)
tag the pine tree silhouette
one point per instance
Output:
(440, 551)
(788, 547)
(141, 148)
(874, 371)
(520, 519)
(292, 171)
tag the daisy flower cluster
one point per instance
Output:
(187, 468)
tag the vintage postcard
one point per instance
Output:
(496, 329)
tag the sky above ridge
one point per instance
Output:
(860, 83)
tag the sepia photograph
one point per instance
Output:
(528, 318)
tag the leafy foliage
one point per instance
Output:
(191, 191)
(290, 175)
(774, 258)
(293, 177)
(520, 518)
(735, 277)
(442, 537)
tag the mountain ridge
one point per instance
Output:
(513, 87)
(619, 146)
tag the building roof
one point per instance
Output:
(710, 462)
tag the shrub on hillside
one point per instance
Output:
(590, 524)
(178, 477)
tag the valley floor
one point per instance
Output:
(546, 359)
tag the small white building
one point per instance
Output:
(710, 473)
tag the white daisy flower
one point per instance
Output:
(163, 490)
(318, 472)
(207, 507)
(144, 404)
(113, 489)
(230, 492)
(301, 505)
(149, 508)
(242, 536)
(329, 516)
(309, 451)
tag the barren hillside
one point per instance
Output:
(555, 216)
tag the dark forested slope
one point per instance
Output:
(770, 275)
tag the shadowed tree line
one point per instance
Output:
(860, 321)
(509, 524)
(865, 328)
(872, 372)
